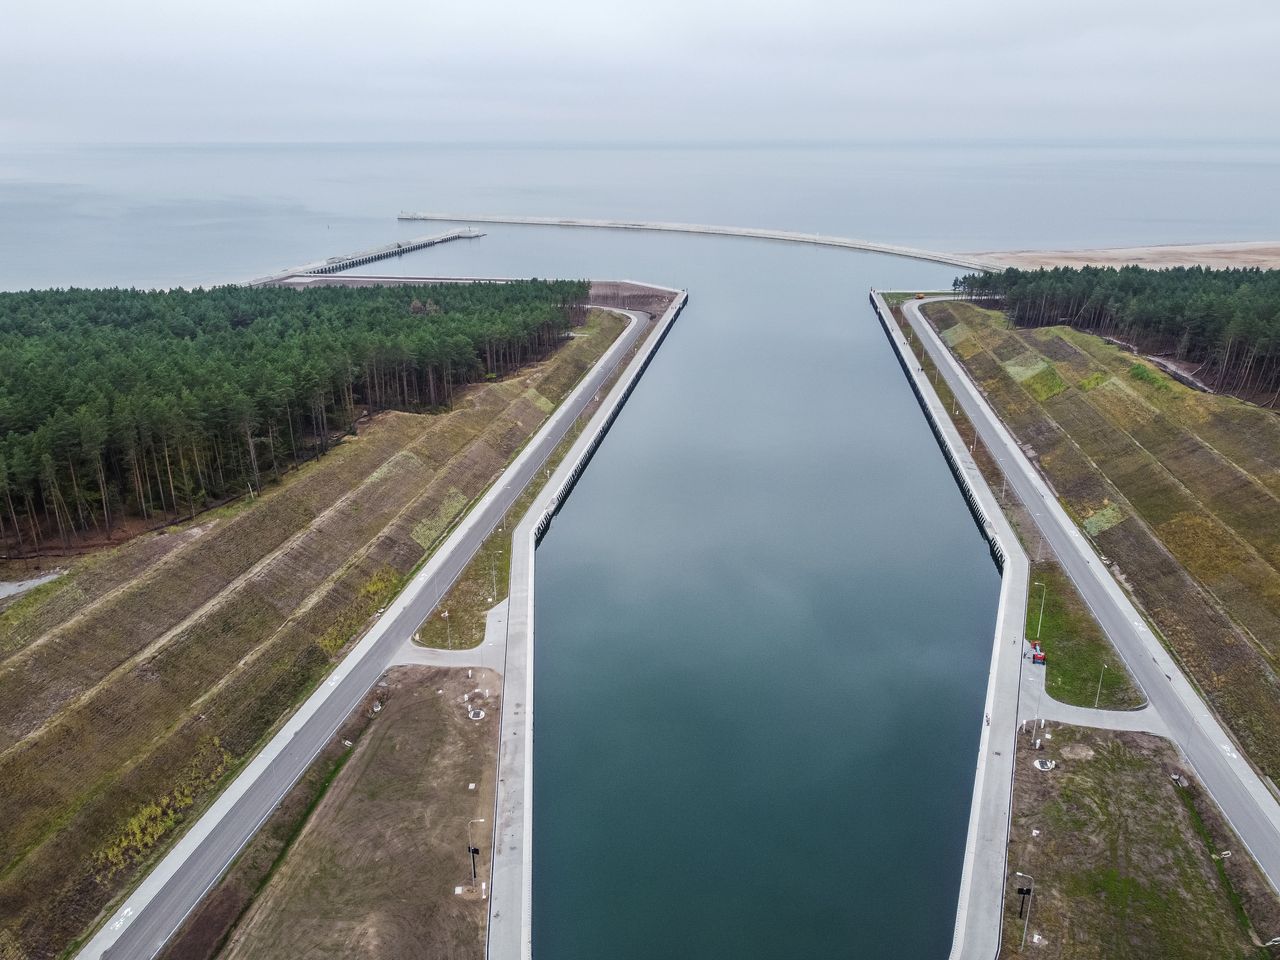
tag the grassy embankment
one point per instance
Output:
(134, 686)
(1179, 489)
(210, 925)
(1074, 642)
(487, 577)
(1077, 651)
(375, 870)
(1125, 859)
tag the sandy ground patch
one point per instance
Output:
(1262, 253)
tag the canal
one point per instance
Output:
(764, 621)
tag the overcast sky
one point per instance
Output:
(371, 70)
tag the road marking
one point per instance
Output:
(124, 915)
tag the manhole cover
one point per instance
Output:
(476, 714)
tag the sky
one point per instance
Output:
(669, 70)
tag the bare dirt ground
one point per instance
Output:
(1126, 859)
(381, 870)
(1263, 253)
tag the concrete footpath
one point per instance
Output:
(149, 915)
(982, 880)
(1245, 800)
(511, 903)
(1240, 792)
(1036, 705)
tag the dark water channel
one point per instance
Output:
(764, 619)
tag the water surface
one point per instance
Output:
(763, 624)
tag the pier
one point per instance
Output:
(359, 259)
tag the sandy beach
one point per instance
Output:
(1262, 253)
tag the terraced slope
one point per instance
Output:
(1180, 489)
(133, 687)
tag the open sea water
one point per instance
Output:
(765, 614)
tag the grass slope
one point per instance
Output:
(1180, 489)
(144, 678)
(1076, 648)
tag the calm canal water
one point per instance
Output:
(764, 619)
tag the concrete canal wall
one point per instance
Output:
(510, 932)
(982, 878)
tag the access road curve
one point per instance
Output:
(1239, 791)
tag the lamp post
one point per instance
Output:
(1044, 592)
(1098, 695)
(1032, 896)
(448, 633)
(472, 850)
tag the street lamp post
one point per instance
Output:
(472, 850)
(1044, 592)
(1098, 695)
(1032, 897)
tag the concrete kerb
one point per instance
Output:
(982, 881)
(1247, 802)
(158, 877)
(510, 929)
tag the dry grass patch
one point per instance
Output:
(375, 871)
(1191, 479)
(1124, 858)
(197, 658)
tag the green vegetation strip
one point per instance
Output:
(1180, 489)
(1079, 655)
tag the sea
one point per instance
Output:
(765, 614)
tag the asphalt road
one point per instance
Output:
(977, 928)
(1244, 799)
(157, 907)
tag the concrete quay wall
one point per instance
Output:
(510, 930)
(983, 877)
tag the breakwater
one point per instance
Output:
(786, 236)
